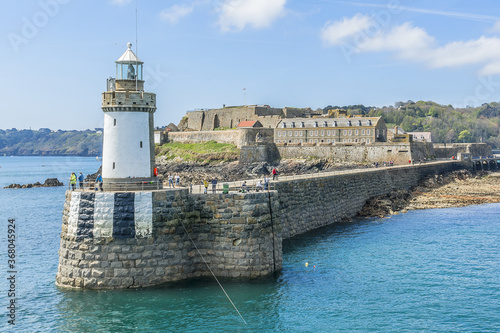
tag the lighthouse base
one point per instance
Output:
(132, 184)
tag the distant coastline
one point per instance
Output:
(46, 142)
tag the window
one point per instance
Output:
(368, 132)
(301, 134)
(114, 122)
(316, 133)
(289, 133)
(333, 132)
(311, 133)
(325, 124)
(367, 140)
(113, 165)
(293, 124)
(327, 133)
(333, 140)
(315, 124)
(345, 140)
(279, 133)
(362, 132)
(315, 140)
(284, 125)
(296, 133)
(345, 132)
(322, 133)
(356, 132)
(140, 144)
(311, 141)
(334, 123)
(350, 132)
(349, 123)
(359, 122)
(302, 124)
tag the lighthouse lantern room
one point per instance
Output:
(128, 145)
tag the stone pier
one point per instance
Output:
(145, 238)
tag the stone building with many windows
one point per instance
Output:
(349, 130)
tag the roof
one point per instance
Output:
(250, 123)
(328, 122)
(129, 56)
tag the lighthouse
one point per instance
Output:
(128, 159)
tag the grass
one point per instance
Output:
(206, 152)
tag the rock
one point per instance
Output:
(49, 182)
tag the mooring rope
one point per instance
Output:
(215, 277)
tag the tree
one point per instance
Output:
(464, 136)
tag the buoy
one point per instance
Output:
(307, 264)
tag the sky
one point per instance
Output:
(57, 54)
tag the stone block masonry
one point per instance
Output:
(138, 239)
(307, 204)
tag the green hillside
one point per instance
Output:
(446, 123)
(46, 142)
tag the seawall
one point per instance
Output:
(307, 204)
(138, 239)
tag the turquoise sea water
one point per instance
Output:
(429, 271)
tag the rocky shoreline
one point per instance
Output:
(457, 189)
(196, 173)
(50, 182)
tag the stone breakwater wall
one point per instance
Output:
(138, 239)
(307, 204)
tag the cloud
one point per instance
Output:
(412, 43)
(176, 12)
(395, 7)
(238, 14)
(336, 33)
(408, 41)
(496, 27)
(120, 2)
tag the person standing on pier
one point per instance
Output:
(72, 181)
(275, 173)
(98, 182)
(80, 180)
(214, 185)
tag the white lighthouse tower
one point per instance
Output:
(128, 145)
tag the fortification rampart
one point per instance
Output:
(239, 137)
(228, 136)
(137, 239)
(399, 153)
(208, 120)
(444, 150)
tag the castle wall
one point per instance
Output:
(239, 137)
(453, 149)
(230, 117)
(227, 136)
(399, 153)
